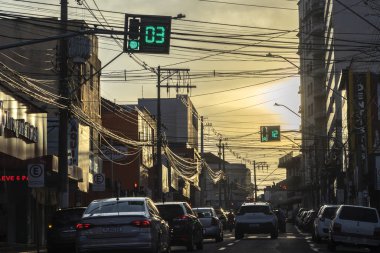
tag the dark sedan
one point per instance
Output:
(61, 230)
(185, 227)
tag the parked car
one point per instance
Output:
(185, 227)
(308, 221)
(301, 213)
(222, 216)
(256, 218)
(61, 229)
(322, 222)
(212, 226)
(128, 223)
(281, 218)
(355, 226)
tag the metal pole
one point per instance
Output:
(219, 167)
(159, 137)
(224, 181)
(254, 176)
(203, 174)
(63, 113)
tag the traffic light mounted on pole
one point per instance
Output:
(147, 34)
(270, 133)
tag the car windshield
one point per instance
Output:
(115, 207)
(358, 214)
(254, 209)
(67, 217)
(329, 212)
(168, 212)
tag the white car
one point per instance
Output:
(322, 222)
(256, 218)
(355, 226)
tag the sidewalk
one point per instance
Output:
(20, 248)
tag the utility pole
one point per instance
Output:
(182, 76)
(224, 181)
(219, 167)
(63, 112)
(203, 174)
(254, 178)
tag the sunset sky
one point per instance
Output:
(237, 84)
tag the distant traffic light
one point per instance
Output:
(270, 133)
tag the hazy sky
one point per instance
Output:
(258, 26)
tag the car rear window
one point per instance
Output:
(329, 212)
(205, 211)
(254, 209)
(67, 217)
(358, 214)
(115, 207)
(168, 212)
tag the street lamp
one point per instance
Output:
(277, 104)
(279, 56)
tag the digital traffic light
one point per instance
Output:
(270, 133)
(147, 34)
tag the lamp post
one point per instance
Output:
(279, 56)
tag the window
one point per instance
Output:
(106, 207)
(254, 209)
(169, 212)
(358, 214)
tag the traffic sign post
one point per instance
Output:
(36, 175)
(99, 184)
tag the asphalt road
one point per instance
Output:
(294, 241)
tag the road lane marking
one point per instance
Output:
(230, 244)
(222, 248)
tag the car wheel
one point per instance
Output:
(331, 246)
(238, 235)
(219, 237)
(190, 244)
(274, 234)
(199, 244)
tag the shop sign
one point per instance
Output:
(73, 142)
(19, 127)
(13, 178)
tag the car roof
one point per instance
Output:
(121, 199)
(78, 208)
(366, 207)
(206, 207)
(170, 203)
(256, 204)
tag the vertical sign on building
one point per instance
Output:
(360, 121)
(73, 142)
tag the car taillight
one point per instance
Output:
(141, 223)
(376, 232)
(83, 226)
(183, 217)
(214, 221)
(337, 227)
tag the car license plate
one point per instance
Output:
(111, 229)
(253, 225)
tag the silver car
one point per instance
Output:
(122, 224)
(212, 226)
